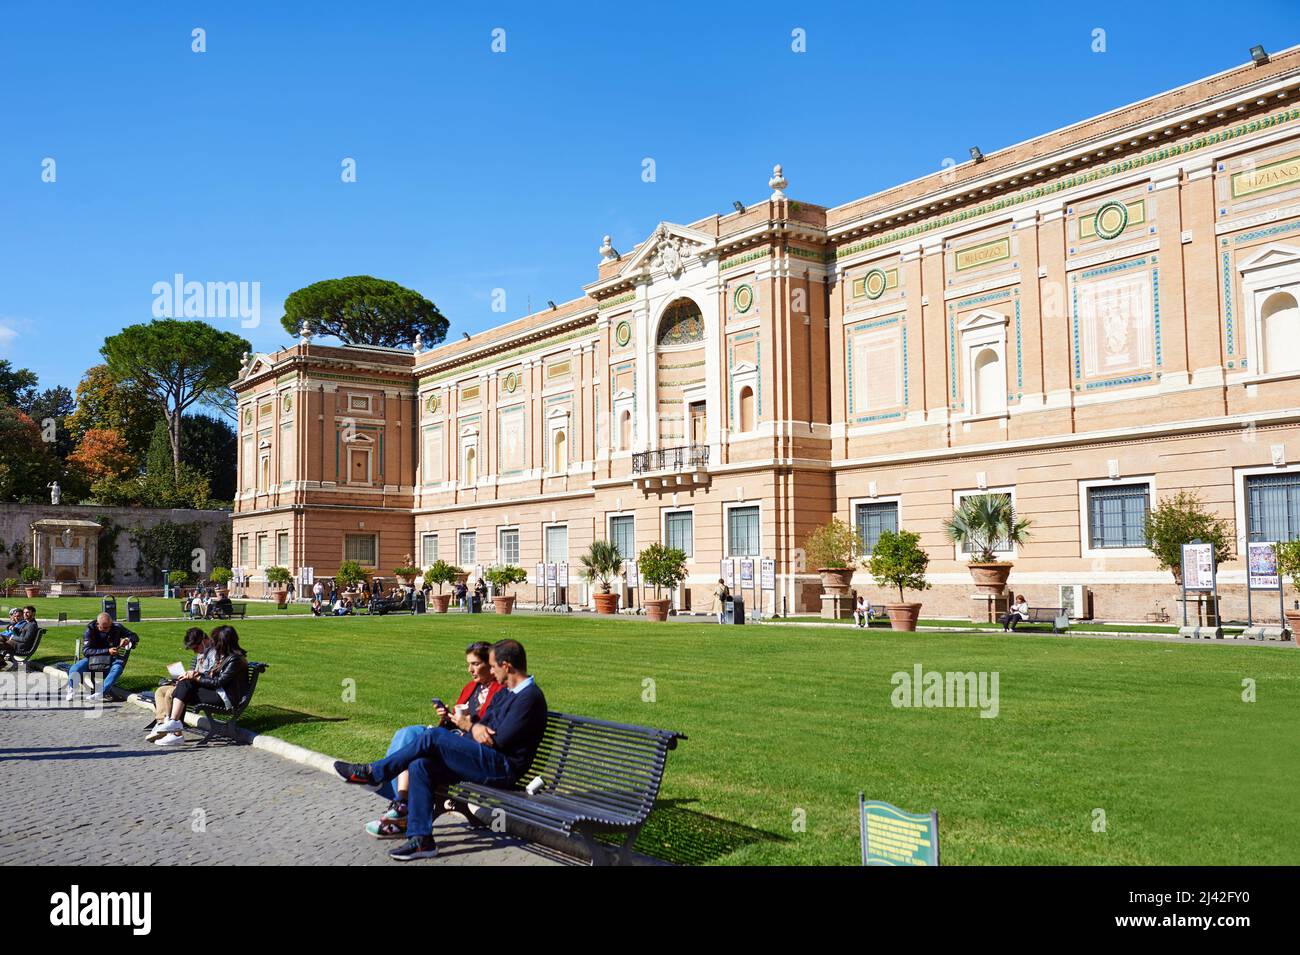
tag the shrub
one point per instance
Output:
(988, 523)
(1179, 520)
(662, 566)
(442, 573)
(178, 578)
(1288, 560)
(350, 574)
(9, 584)
(897, 560)
(832, 545)
(279, 576)
(408, 570)
(221, 576)
(502, 577)
(602, 563)
(30, 575)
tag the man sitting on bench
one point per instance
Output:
(497, 750)
(20, 635)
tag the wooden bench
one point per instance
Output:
(1056, 616)
(597, 777)
(211, 710)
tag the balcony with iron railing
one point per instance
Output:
(671, 468)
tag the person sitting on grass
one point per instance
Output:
(469, 708)
(107, 643)
(342, 605)
(198, 643)
(317, 608)
(495, 752)
(20, 636)
(221, 685)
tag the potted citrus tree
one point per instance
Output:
(897, 560)
(1179, 520)
(663, 568)
(500, 578)
(987, 523)
(277, 578)
(1288, 565)
(350, 575)
(32, 580)
(408, 571)
(221, 576)
(178, 579)
(9, 584)
(600, 565)
(831, 550)
(440, 573)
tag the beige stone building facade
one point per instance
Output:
(1088, 321)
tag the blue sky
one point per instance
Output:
(478, 170)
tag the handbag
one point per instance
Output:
(98, 661)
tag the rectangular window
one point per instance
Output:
(1001, 547)
(466, 549)
(742, 532)
(1117, 515)
(282, 549)
(873, 519)
(243, 550)
(622, 534)
(508, 547)
(679, 531)
(428, 550)
(1273, 506)
(263, 551)
(363, 548)
(557, 544)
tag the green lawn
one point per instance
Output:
(1085, 626)
(83, 608)
(788, 719)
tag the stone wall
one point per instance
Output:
(16, 521)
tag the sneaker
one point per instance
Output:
(358, 773)
(417, 847)
(70, 695)
(170, 740)
(386, 828)
(396, 810)
(169, 726)
(96, 697)
(154, 734)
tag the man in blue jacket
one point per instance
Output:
(498, 749)
(110, 643)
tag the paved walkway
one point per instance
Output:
(81, 786)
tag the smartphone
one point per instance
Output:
(438, 703)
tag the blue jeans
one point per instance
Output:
(434, 759)
(402, 738)
(78, 668)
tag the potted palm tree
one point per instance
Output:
(1288, 564)
(500, 578)
(897, 560)
(600, 565)
(987, 523)
(441, 573)
(661, 567)
(277, 578)
(32, 580)
(832, 550)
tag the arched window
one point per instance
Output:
(471, 466)
(264, 478)
(747, 408)
(625, 430)
(682, 324)
(1280, 323)
(559, 452)
(990, 383)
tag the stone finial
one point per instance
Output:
(419, 343)
(303, 334)
(607, 250)
(777, 182)
(243, 360)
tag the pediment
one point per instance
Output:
(669, 247)
(1271, 255)
(743, 368)
(255, 365)
(983, 319)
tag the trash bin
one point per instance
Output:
(419, 602)
(733, 610)
(133, 610)
(109, 606)
(475, 603)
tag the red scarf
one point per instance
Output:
(472, 687)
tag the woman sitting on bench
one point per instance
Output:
(223, 685)
(1018, 614)
(474, 698)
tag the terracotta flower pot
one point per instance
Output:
(836, 580)
(504, 604)
(656, 610)
(438, 602)
(606, 603)
(32, 591)
(990, 578)
(1293, 624)
(461, 579)
(280, 597)
(903, 616)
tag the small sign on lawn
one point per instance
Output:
(893, 836)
